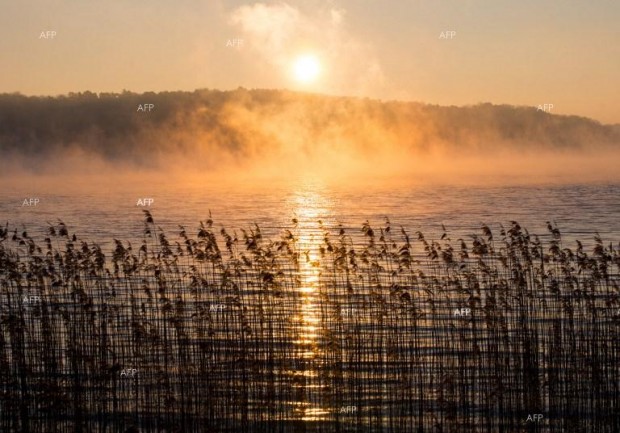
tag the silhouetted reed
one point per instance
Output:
(321, 329)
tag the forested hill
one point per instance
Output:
(243, 123)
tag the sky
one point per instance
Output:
(560, 52)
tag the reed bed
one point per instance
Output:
(324, 329)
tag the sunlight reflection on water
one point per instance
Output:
(309, 204)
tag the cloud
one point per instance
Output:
(337, 15)
(277, 33)
(269, 28)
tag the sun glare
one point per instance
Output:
(306, 68)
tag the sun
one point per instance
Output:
(306, 68)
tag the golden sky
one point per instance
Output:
(560, 52)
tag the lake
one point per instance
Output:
(579, 210)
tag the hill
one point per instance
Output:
(216, 126)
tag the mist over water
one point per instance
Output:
(261, 134)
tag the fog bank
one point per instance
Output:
(247, 134)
